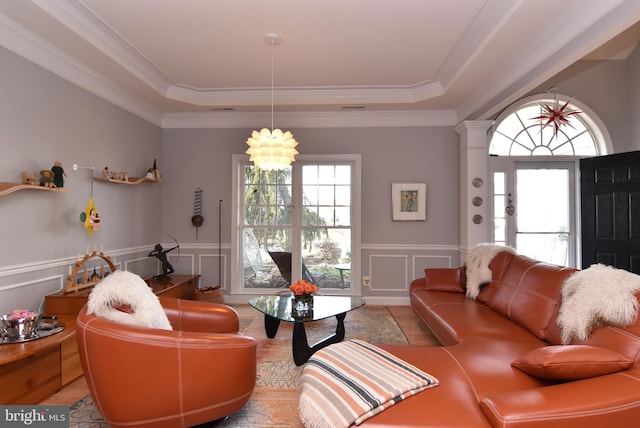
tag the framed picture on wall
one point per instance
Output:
(409, 201)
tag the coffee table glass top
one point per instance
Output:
(279, 307)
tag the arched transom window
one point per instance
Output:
(525, 129)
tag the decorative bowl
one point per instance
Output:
(20, 327)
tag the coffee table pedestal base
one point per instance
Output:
(299, 343)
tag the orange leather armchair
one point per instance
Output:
(200, 371)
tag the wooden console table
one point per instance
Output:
(32, 371)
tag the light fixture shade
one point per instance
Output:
(271, 150)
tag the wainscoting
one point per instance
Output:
(391, 268)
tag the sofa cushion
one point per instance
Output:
(453, 317)
(445, 279)
(453, 404)
(529, 293)
(571, 362)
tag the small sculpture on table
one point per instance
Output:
(161, 254)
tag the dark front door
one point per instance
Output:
(610, 200)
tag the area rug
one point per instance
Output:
(274, 402)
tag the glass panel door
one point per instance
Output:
(296, 224)
(544, 220)
(534, 208)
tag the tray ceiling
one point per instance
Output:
(448, 59)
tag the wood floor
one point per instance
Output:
(414, 330)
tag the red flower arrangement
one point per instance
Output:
(302, 287)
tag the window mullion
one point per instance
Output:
(296, 220)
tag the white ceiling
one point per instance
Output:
(189, 62)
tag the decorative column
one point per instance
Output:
(475, 194)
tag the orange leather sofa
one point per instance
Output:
(200, 371)
(513, 315)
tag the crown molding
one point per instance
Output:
(350, 119)
(36, 50)
(487, 24)
(306, 96)
(80, 20)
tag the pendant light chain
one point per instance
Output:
(272, 82)
(272, 149)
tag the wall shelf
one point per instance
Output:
(131, 181)
(7, 188)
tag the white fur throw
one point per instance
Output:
(599, 295)
(126, 288)
(477, 266)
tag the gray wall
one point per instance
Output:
(44, 118)
(202, 158)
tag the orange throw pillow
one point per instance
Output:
(445, 279)
(571, 362)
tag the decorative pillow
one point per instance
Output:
(444, 279)
(571, 362)
(123, 289)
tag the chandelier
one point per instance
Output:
(272, 149)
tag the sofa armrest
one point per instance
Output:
(417, 284)
(195, 316)
(610, 400)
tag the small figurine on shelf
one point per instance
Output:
(58, 174)
(105, 173)
(29, 178)
(46, 179)
(153, 172)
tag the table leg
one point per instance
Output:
(271, 325)
(300, 345)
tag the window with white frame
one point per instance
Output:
(297, 223)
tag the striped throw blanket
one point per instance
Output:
(349, 382)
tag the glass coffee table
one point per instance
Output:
(279, 308)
